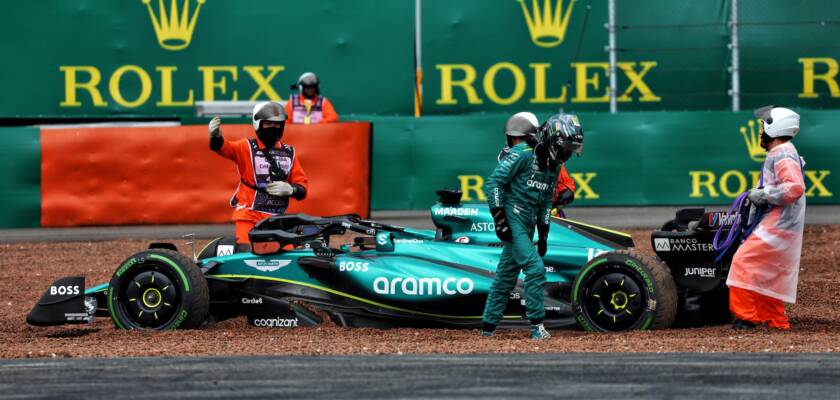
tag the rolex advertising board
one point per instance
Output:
(482, 55)
(639, 158)
(158, 57)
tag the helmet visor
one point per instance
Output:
(763, 114)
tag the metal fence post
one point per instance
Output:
(611, 30)
(418, 61)
(736, 65)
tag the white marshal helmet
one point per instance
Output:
(522, 124)
(778, 121)
(268, 111)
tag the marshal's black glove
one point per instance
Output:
(565, 198)
(542, 242)
(502, 226)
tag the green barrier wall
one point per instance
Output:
(20, 178)
(641, 158)
(630, 159)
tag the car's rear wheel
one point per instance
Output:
(624, 290)
(158, 289)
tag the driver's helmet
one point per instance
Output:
(561, 135)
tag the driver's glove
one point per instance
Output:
(502, 226)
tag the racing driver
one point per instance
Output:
(525, 124)
(269, 171)
(520, 192)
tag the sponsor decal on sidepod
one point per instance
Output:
(681, 244)
(267, 265)
(423, 286)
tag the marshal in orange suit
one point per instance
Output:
(269, 171)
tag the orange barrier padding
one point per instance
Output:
(169, 175)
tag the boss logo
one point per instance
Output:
(64, 290)
(353, 266)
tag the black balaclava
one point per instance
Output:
(270, 136)
(765, 140)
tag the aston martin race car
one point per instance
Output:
(303, 270)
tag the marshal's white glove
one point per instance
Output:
(758, 197)
(281, 189)
(215, 127)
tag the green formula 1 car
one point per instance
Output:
(382, 276)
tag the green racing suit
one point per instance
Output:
(525, 192)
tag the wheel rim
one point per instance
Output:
(614, 298)
(149, 298)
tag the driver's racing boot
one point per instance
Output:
(538, 332)
(488, 329)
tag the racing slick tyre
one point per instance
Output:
(624, 290)
(158, 289)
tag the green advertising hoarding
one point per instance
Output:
(484, 55)
(641, 158)
(158, 57)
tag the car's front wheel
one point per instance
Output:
(158, 289)
(624, 290)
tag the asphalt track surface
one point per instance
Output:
(608, 217)
(575, 376)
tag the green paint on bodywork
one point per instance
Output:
(350, 296)
(96, 289)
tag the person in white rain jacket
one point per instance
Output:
(765, 269)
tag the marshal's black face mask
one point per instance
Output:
(270, 136)
(765, 141)
(764, 114)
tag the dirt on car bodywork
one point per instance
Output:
(28, 268)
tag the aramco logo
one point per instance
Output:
(752, 137)
(547, 24)
(174, 28)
